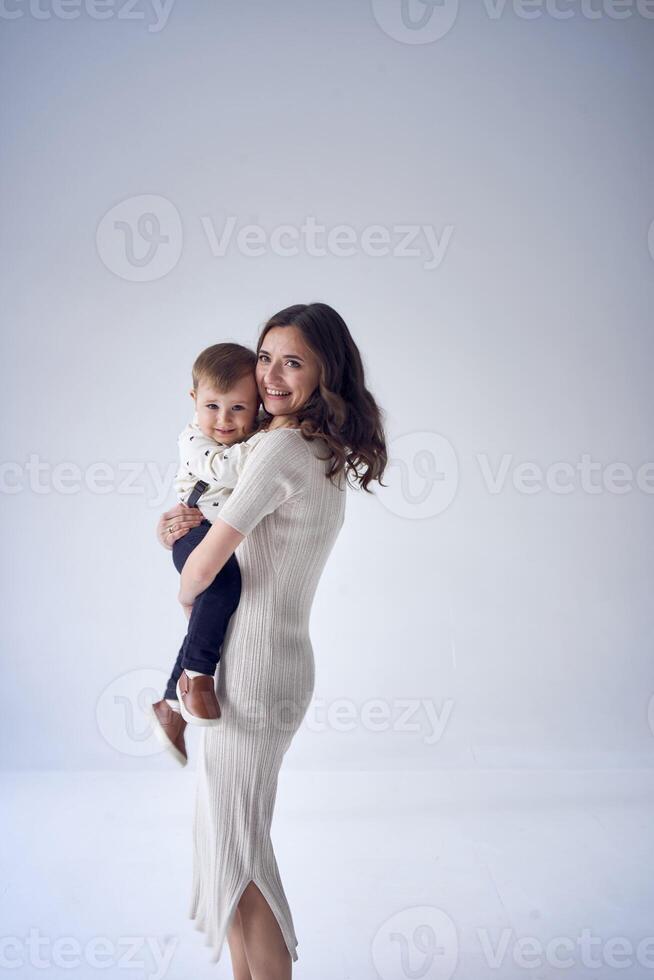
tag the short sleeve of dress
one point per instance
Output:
(276, 471)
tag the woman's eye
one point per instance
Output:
(263, 357)
(294, 363)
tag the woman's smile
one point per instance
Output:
(287, 371)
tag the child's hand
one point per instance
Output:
(177, 522)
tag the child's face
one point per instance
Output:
(227, 416)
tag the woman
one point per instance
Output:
(323, 428)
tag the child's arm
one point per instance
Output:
(202, 458)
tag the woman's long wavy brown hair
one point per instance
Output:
(341, 411)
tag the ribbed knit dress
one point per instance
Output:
(291, 514)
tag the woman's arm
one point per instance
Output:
(275, 473)
(207, 559)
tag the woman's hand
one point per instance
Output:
(181, 519)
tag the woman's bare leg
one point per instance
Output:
(236, 944)
(266, 950)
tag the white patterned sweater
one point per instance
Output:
(202, 458)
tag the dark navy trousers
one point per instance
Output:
(210, 614)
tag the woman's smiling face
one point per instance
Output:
(287, 371)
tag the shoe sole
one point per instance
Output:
(193, 719)
(163, 738)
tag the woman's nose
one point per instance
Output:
(272, 379)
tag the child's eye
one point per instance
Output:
(212, 405)
(238, 408)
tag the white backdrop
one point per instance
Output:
(172, 177)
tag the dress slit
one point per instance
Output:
(216, 938)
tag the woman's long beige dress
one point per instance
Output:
(291, 514)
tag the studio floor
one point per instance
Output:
(475, 874)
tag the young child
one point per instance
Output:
(212, 453)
